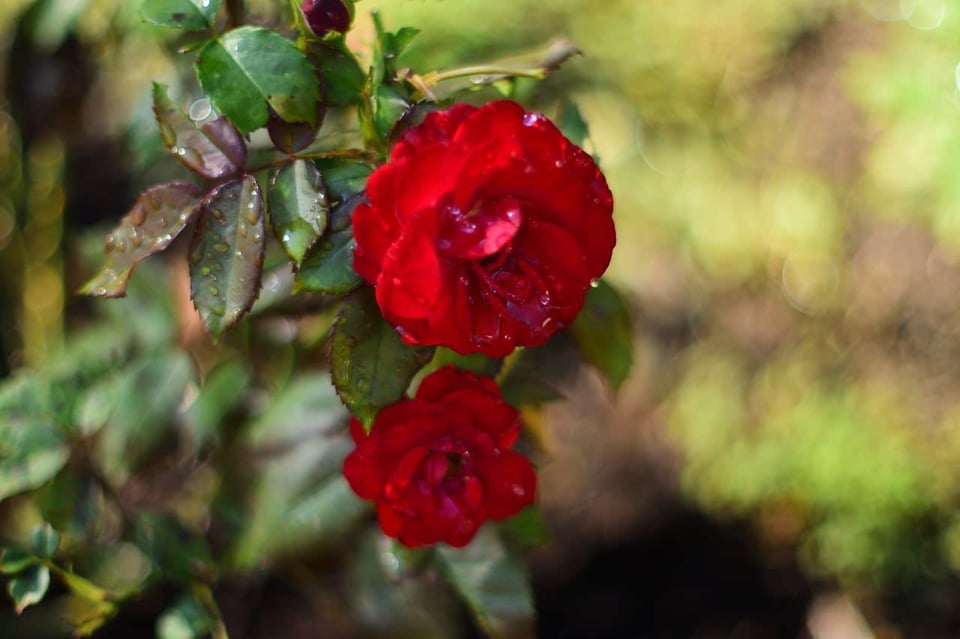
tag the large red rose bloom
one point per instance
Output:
(484, 230)
(440, 464)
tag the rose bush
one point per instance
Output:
(440, 464)
(484, 230)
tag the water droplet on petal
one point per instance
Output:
(595, 282)
(531, 119)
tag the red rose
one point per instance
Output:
(440, 464)
(484, 230)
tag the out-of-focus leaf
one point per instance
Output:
(391, 595)
(189, 15)
(29, 587)
(251, 67)
(14, 560)
(571, 123)
(174, 551)
(223, 389)
(31, 453)
(370, 364)
(186, 619)
(476, 362)
(45, 541)
(602, 333)
(298, 207)
(214, 150)
(527, 528)
(158, 216)
(145, 412)
(100, 400)
(226, 257)
(328, 266)
(299, 497)
(492, 579)
(343, 178)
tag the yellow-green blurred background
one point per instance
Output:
(787, 185)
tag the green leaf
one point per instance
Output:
(389, 105)
(31, 453)
(189, 15)
(328, 266)
(603, 335)
(158, 216)
(224, 389)
(344, 178)
(45, 541)
(299, 498)
(371, 366)
(226, 257)
(145, 412)
(214, 150)
(29, 587)
(251, 67)
(13, 561)
(186, 619)
(174, 551)
(298, 207)
(571, 123)
(527, 528)
(492, 579)
(342, 76)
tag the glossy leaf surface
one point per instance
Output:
(251, 67)
(157, 217)
(371, 365)
(226, 257)
(213, 150)
(298, 207)
(328, 266)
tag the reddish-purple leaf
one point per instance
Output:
(158, 216)
(226, 257)
(215, 150)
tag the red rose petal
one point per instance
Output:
(511, 486)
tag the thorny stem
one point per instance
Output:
(348, 154)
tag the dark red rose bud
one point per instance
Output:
(324, 16)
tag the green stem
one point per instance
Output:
(80, 585)
(343, 154)
(205, 596)
(435, 77)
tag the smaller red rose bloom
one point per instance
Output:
(324, 16)
(440, 464)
